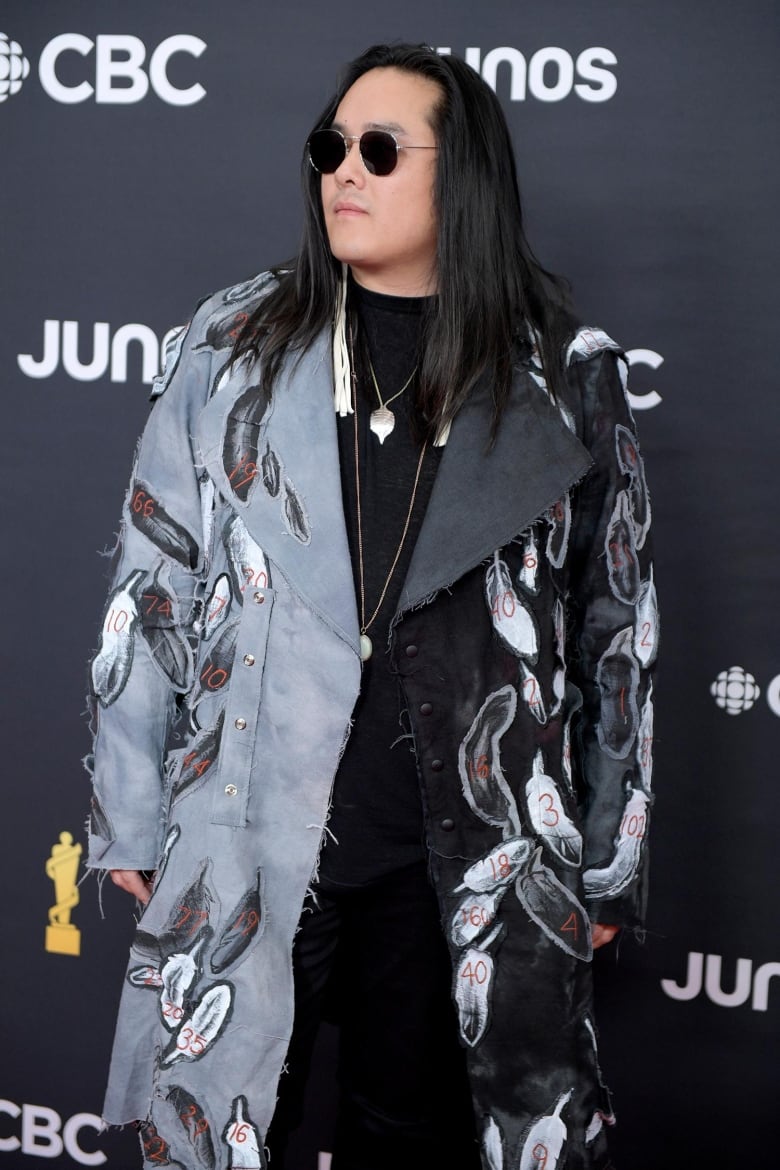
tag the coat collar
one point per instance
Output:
(481, 498)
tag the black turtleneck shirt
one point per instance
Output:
(376, 820)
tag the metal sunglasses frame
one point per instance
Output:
(349, 139)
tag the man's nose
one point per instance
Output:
(351, 169)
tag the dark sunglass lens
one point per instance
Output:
(326, 151)
(379, 152)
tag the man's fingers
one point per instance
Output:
(132, 881)
(602, 934)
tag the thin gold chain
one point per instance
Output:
(397, 394)
(364, 627)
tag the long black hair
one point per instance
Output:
(491, 288)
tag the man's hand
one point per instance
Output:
(133, 882)
(602, 934)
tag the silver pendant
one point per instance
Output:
(382, 422)
(366, 648)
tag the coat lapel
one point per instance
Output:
(301, 526)
(481, 498)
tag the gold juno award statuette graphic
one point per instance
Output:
(62, 937)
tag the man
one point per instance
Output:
(407, 644)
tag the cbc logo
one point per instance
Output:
(735, 691)
(549, 75)
(41, 1133)
(117, 73)
(14, 67)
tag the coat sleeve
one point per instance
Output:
(143, 662)
(613, 636)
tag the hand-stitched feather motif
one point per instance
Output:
(631, 464)
(646, 623)
(243, 1138)
(492, 1145)
(149, 516)
(242, 439)
(473, 981)
(622, 869)
(203, 1028)
(245, 924)
(217, 606)
(620, 548)
(545, 1139)
(555, 909)
(548, 816)
(111, 665)
(473, 916)
(178, 974)
(513, 623)
(498, 867)
(248, 565)
(617, 675)
(479, 761)
(195, 1123)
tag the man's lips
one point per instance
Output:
(345, 208)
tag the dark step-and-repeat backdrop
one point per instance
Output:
(150, 155)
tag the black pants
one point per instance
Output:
(375, 957)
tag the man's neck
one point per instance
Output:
(395, 284)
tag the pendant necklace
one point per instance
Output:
(366, 645)
(382, 421)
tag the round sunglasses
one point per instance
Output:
(379, 149)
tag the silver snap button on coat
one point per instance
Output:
(231, 790)
(259, 598)
(240, 724)
(249, 660)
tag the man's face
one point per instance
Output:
(384, 226)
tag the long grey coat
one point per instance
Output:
(224, 682)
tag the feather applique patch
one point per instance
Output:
(479, 761)
(632, 465)
(646, 623)
(218, 606)
(498, 867)
(614, 878)
(548, 817)
(170, 652)
(195, 1124)
(202, 754)
(244, 927)
(473, 982)
(545, 1139)
(248, 564)
(620, 547)
(243, 1139)
(178, 974)
(149, 516)
(617, 675)
(111, 665)
(559, 520)
(294, 513)
(513, 623)
(555, 909)
(201, 1030)
(242, 439)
